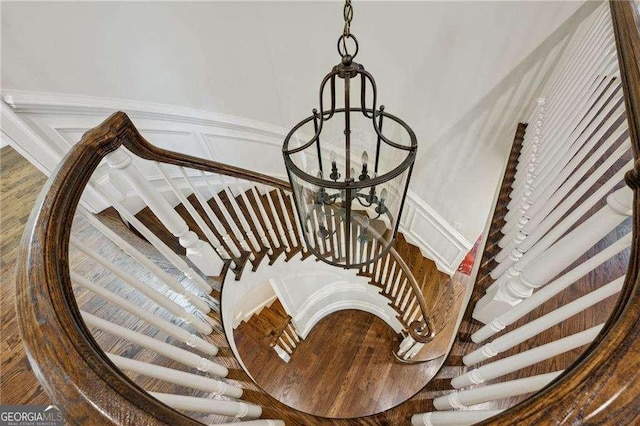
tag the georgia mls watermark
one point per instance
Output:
(31, 415)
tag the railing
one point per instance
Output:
(601, 387)
(231, 219)
(396, 281)
(582, 144)
(285, 339)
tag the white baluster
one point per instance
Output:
(208, 405)
(177, 377)
(578, 106)
(537, 326)
(531, 146)
(554, 148)
(541, 202)
(282, 353)
(194, 213)
(524, 359)
(159, 323)
(578, 84)
(550, 290)
(584, 37)
(452, 418)
(529, 248)
(185, 357)
(297, 220)
(539, 269)
(265, 216)
(579, 149)
(203, 306)
(532, 233)
(211, 215)
(482, 394)
(199, 252)
(150, 292)
(156, 242)
(575, 104)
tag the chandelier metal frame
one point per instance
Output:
(359, 187)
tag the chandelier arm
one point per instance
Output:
(377, 161)
(363, 98)
(330, 76)
(319, 151)
(379, 131)
(291, 166)
(333, 98)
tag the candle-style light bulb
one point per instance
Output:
(322, 231)
(322, 218)
(363, 221)
(334, 176)
(321, 194)
(381, 208)
(352, 172)
(365, 159)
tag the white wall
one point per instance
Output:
(460, 73)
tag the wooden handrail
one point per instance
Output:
(421, 331)
(603, 385)
(138, 145)
(275, 335)
(68, 362)
(72, 368)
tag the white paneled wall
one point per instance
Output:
(57, 122)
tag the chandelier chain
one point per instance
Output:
(348, 16)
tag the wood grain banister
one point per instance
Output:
(602, 387)
(277, 333)
(68, 362)
(421, 331)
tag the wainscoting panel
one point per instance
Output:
(44, 126)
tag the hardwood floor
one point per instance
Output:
(20, 184)
(344, 368)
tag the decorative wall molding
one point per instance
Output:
(339, 296)
(44, 126)
(343, 305)
(437, 239)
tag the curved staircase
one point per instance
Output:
(559, 342)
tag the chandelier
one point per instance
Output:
(349, 179)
